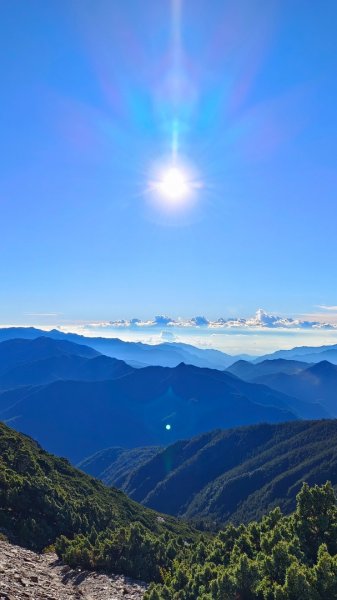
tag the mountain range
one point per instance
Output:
(149, 406)
(169, 354)
(76, 401)
(160, 425)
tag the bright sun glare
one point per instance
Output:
(174, 184)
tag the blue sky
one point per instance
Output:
(91, 95)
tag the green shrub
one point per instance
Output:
(279, 558)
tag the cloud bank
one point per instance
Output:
(261, 320)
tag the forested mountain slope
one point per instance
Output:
(237, 474)
(114, 465)
(44, 500)
(42, 497)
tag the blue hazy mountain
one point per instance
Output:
(43, 360)
(170, 353)
(316, 383)
(251, 371)
(308, 354)
(167, 354)
(150, 406)
(17, 351)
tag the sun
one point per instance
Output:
(174, 187)
(173, 184)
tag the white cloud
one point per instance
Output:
(262, 320)
(328, 308)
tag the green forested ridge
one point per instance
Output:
(43, 497)
(114, 465)
(237, 475)
(279, 558)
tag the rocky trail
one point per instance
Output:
(25, 575)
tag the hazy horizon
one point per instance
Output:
(259, 334)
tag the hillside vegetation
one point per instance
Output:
(43, 497)
(278, 558)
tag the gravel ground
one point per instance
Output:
(25, 575)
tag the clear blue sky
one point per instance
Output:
(87, 111)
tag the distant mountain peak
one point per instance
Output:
(324, 366)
